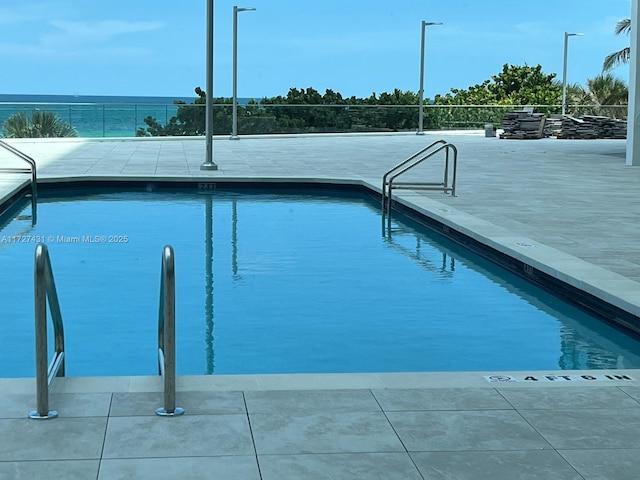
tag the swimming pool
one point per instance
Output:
(286, 282)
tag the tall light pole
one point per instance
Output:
(564, 68)
(208, 162)
(234, 122)
(421, 91)
(633, 123)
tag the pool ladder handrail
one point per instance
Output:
(31, 170)
(45, 289)
(413, 161)
(167, 334)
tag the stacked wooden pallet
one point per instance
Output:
(523, 125)
(591, 127)
(553, 125)
(573, 127)
(607, 127)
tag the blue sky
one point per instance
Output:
(355, 47)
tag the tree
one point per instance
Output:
(306, 110)
(577, 95)
(190, 119)
(41, 124)
(618, 58)
(607, 90)
(515, 85)
(394, 111)
(327, 113)
(603, 95)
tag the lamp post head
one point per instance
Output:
(243, 9)
(567, 34)
(427, 24)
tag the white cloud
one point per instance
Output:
(84, 41)
(19, 12)
(606, 26)
(40, 53)
(94, 32)
(535, 28)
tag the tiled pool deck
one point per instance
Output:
(568, 208)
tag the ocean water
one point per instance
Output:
(97, 116)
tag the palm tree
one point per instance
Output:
(42, 124)
(577, 95)
(607, 90)
(16, 126)
(603, 95)
(618, 58)
(609, 94)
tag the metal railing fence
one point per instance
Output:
(131, 120)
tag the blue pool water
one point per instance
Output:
(284, 283)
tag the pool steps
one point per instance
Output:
(45, 291)
(167, 334)
(447, 185)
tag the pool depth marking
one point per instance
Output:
(558, 378)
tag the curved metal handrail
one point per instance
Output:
(167, 334)
(26, 158)
(45, 289)
(34, 180)
(411, 162)
(445, 147)
(425, 185)
(412, 157)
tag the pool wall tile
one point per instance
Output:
(303, 401)
(571, 399)
(200, 468)
(318, 381)
(26, 439)
(217, 382)
(194, 403)
(339, 466)
(527, 464)
(183, 436)
(633, 392)
(618, 464)
(587, 428)
(465, 430)
(284, 433)
(440, 399)
(63, 469)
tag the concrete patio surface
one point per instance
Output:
(566, 207)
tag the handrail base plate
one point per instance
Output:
(163, 413)
(34, 415)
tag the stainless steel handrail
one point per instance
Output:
(45, 289)
(401, 164)
(32, 170)
(167, 334)
(411, 162)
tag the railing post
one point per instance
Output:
(455, 170)
(56, 318)
(167, 335)
(42, 377)
(445, 183)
